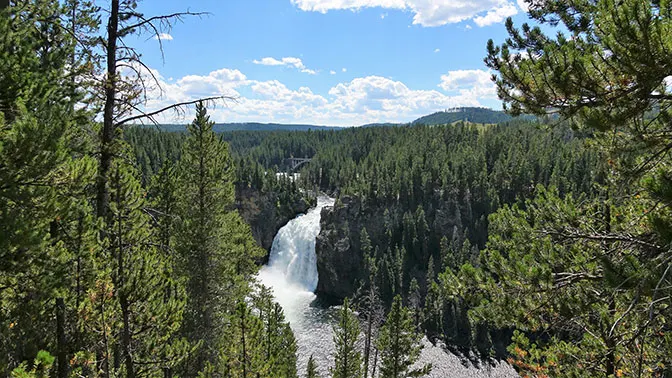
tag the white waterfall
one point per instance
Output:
(292, 266)
(291, 273)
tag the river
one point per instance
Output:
(292, 274)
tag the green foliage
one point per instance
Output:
(564, 254)
(347, 358)
(216, 250)
(108, 295)
(606, 263)
(40, 367)
(44, 225)
(399, 344)
(311, 368)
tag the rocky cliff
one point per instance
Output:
(340, 261)
(266, 213)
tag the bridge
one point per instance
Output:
(297, 162)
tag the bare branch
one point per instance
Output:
(173, 106)
(163, 18)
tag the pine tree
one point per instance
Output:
(433, 311)
(206, 194)
(311, 368)
(414, 303)
(43, 208)
(277, 345)
(163, 194)
(215, 246)
(369, 303)
(147, 300)
(347, 359)
(606, 74)
(399, 344)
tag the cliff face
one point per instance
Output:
(266, 214)
(340, 261)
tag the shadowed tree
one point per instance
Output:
(399, 344)
(347, 359)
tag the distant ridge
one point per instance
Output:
(470, 114)
(249, 126)
(474, 115)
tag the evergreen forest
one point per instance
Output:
(539, 237)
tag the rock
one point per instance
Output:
(340, 261)
(265, 217)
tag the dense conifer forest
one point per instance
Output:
(544, 242)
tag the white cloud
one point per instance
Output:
(522, 4)
(287, 61)
(496, 15)
(383, 15)
(344, 69)
(164, 37)
(376, 98)
(469, 83)
(426, 12)
(437, 50)
(359, 101)
(332, 72)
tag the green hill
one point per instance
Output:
(474, 115)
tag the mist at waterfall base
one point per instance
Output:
(291, 273)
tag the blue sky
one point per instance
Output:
(328, 62)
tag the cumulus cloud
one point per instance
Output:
(332, 72)
(287, 61)
(523, 5)
(164, 37)
(437, 50)
(344, 69)
(359, 101)
(469, 83)
(426, 12)
(496, 15)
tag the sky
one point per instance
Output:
(326, 62)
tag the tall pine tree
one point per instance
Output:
(399, 344)
(347, 358)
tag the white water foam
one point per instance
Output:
(292, 266)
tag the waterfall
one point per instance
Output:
(292, 266)
(291, 273)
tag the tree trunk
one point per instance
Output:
(126, 337)
(375, 363)
(367, 348)
(244, 349)
(107, 133)
(122, 290)
(62, 355)
(610, 342)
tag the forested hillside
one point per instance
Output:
(473, 115)
(420, 196)
(249, 126)
(129, 251)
